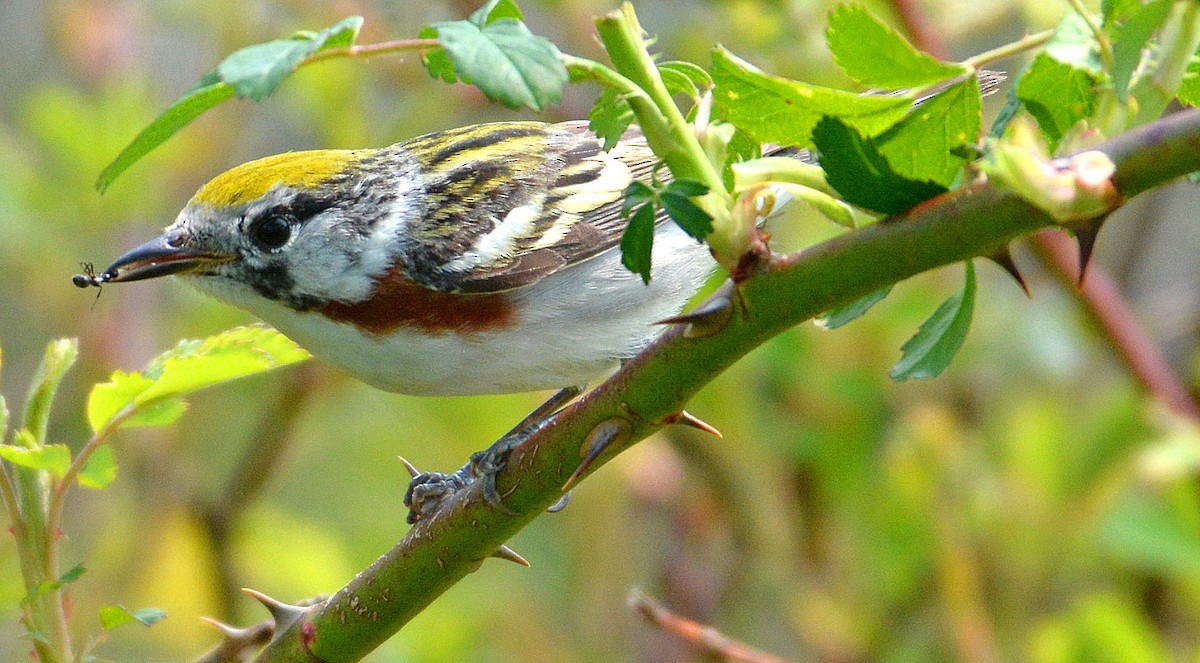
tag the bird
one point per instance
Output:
(477, 260)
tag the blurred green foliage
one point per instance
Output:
(1030, 504)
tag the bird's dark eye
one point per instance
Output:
(270, 231)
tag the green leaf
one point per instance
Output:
(73, 574)
(610, 117)
(681, 76)
(209, 92)
(873, 54)
(1057, 95)
(495, 10)
(159, 414)
(54, 458)
(636, 194)
(1135, 33)
(112, 616)
(778, 110)
(843, 315)
(59, 357)
(1073, 44)
(1189, 89)
(256, 71)
(676, 200)
(856, 169)
(503, 59)
(101, 468)
(923, 145)
(638, 241)
(930, 350)
(191, 366)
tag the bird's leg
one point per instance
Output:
(427, 489)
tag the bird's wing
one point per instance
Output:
(507, 204)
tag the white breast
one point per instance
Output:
(573, 326)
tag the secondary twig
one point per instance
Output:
(1116, 322)
(699, 635)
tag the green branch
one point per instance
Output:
(649, 390)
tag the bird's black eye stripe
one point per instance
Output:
(273, 228)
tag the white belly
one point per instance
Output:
(574, 326)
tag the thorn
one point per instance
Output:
(1085, 236)
(1003, 258)
(601, 437)
(237, 643)
(561, 503)
(230, 633)
(284, 614)
(685, 418)
(504, 552)
(706, 319)
(412, 469)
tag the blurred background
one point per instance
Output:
(1030, 504)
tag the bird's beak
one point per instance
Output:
(161, 256)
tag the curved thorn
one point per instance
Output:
(231, 633)
(603, 435)
(1003, 258)
(284, 614)
(706, 319)
(685, 418)
(504, 552)
(1085, 236)
(412, 469)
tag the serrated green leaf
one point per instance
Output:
(1189, 89)
(855, 168)
(191, 366)
(1073, 44)
(698, 79)
(506, 61)
(873, 54)
(159, 414)
(931, 349)
(58, 358)
(778, 110)
(923, 145)
(686, 214)
(494, 10)
(844, 315)
(342, 34)
(686, 187)
(1131, 40)
(638, 241)
(100, 470)
(53, 458)
(72, 574)
(216, 87)
(209, 92)
(1057, 95)
(256, 71)
(436, 60)
(610, 117)
(636, 194)
(112, 616)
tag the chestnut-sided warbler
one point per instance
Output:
(470, 261)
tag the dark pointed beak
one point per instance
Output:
(161, 256)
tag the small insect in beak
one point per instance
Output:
(89, 278)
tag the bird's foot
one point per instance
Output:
(429, 489)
